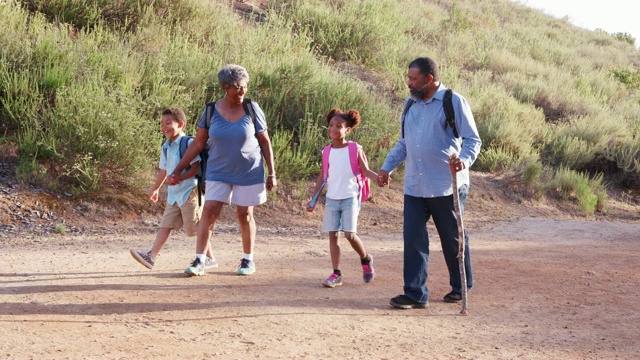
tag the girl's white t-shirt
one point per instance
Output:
(341, 183)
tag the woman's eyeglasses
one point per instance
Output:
(237, 87)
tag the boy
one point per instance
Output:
(182, 208)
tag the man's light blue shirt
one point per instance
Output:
(427, 144)
(176, 193)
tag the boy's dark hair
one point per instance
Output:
(427, 67)
(352, 118)
(177, 113)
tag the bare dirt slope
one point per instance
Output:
(550, 285)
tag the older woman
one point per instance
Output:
(238, 145)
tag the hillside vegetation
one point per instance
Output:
(82, 84)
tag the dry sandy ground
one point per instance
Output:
(545, 289)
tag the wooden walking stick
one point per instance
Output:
(456, 205)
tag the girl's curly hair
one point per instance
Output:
(352, 118)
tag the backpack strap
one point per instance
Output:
(185, 141)
(325, 162)
(247, 104)
(354, 149)
(353, 157)
(449, 113)
(364, 188)
(184, 144)
(447, 104)
(407, 105)
(208, 113)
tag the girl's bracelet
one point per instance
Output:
(272, 176)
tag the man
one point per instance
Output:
(426, 143)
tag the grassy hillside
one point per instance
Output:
(82, 84)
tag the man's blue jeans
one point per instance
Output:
(417, 212)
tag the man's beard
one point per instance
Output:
(418, 93)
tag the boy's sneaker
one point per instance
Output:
(368, 272)
(405, 302)
(247, 267)
(143, 258)
(196, 268)
(332, 281)
(210, 263)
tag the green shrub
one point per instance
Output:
(627, 76)
(565, 182)
(625, 37)
(30, 171)
(365, 31)
(504, 124)
(60, 229)
(86, 172)
(626, 157)
(586, 199)
(599, 188)
(589, 193)
(290, 158)
(568, 151)
(495, 159)
(82, 83)
(531, 176)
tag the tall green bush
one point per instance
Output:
(589, 193)
(82, 83)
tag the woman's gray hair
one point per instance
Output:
(232, 74)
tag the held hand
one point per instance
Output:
(383, 178)
(271, 182)
(173, 179)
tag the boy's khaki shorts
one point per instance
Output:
(186, 216)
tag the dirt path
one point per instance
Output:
(545, 290)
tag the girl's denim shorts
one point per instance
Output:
(341, 215)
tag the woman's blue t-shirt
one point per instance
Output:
(235, 156)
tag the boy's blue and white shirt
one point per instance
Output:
(176, 193)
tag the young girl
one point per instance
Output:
(343, 198)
